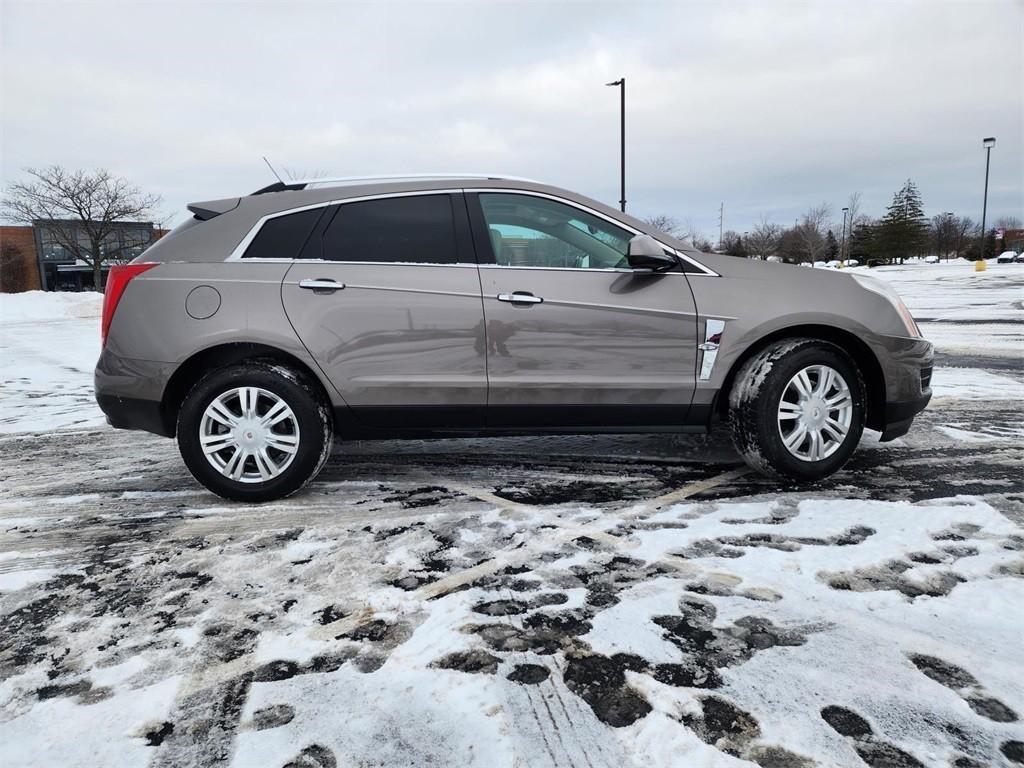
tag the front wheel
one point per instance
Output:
(255, 431)
(796, 409)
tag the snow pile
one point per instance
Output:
(44, 306)
(49, 344)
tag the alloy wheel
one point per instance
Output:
(249, 434)
(815, 413)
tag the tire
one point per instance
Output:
(767, 408)
(276, 460)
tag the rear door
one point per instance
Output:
(386, 298)
(576, 338)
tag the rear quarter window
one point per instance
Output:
(282, 237)
(416, 229)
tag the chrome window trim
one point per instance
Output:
(458, 265)
(239, 250)
(620, 270)
(705, 271)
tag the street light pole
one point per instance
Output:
(948, 233)
(987, 143)
(842, 248)
(621, 83)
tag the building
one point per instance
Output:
(19, 269)
(37, 257)
(1009, 240)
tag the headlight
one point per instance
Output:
(882, 288)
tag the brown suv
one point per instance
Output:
(440, 306)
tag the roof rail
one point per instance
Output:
(303, 183)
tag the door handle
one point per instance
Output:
(321, 284)
(520, 297)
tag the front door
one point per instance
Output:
(388, 303)
(574, 337)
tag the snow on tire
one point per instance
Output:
(796, 409)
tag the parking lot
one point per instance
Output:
(584, 601)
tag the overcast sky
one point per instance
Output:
(768, 106)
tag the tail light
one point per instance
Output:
(117, 280)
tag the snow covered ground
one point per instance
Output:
(564, 601)
(49, 343)
(962, 311)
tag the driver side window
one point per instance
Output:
(528, 231)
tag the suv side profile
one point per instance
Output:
(414, 307)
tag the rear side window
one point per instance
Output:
(282, 237)
(418, 229)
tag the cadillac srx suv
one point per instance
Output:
(266, 325)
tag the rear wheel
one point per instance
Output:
(796, 409)
(254, 432)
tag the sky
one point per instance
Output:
(767, 107)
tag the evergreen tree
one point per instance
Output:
(903, 231)
(831, 245)
(862, 243)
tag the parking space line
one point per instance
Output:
(698, 486)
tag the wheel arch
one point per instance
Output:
(222, 356)
(859, 352)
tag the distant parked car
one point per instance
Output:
(774, 259)
(852, 263)
(267, 324)
(820, 265)
(931, 259)
(1020, 258)
(834, 264)
(1006, 257)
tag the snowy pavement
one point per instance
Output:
(564, 601)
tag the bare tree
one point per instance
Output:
(1007, 222)
(962, 232)
(853, 218)
(664, 223)
(732, 243)
(811, 231)
(763, 239)
(690, 231)
(941, 234)
(853, 211)
(81, 210)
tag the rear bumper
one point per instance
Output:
(129, 392)
(900, 416)
(133, 413)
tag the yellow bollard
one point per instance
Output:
(980, 265)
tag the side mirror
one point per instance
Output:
(645, 254)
